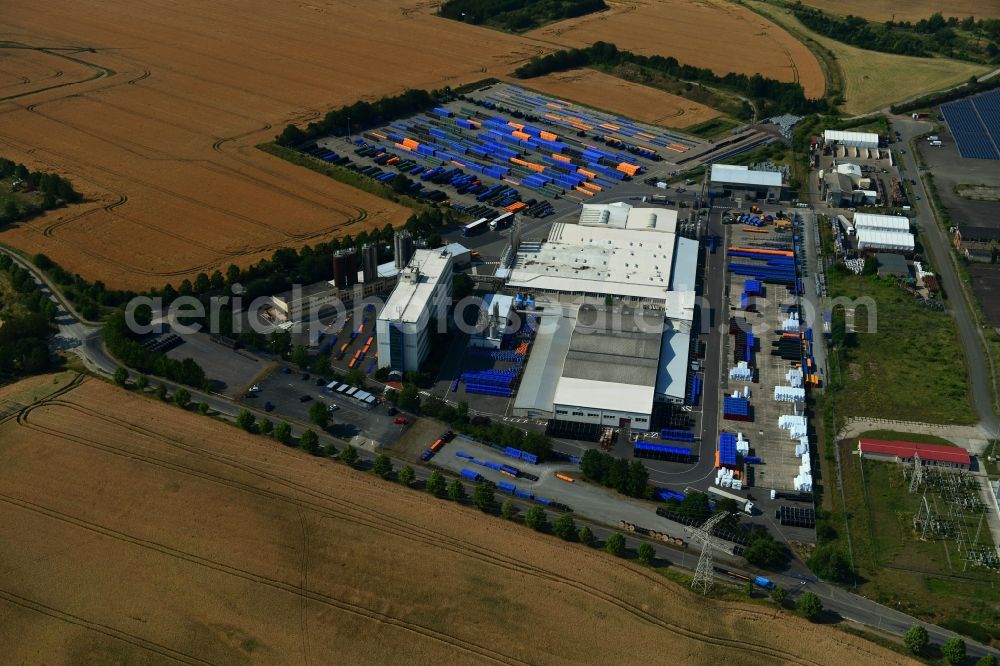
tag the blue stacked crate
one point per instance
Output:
(652, 451)
(677, 435)
(727, 450)
(736, 409)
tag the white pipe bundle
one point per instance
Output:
(789, 394)
(794, 377)
(741, 373)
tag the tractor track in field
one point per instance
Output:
(387, 523)
(123, 636)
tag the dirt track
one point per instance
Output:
(132, 532)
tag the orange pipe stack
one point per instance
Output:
(630, 169)
(591, 186)
(515, 125)
(523, 136)
(584, 191)
(780, 253)
(549, 136)
(411, 143)
(610, 126)
(588, 174)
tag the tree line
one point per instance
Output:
(517, 15)
(770, 95)
(122, 343)
(287, 266)
(628, 479)
(362, 115)
(55, 191)
(481, 428)
(952, 37)
(26, 324)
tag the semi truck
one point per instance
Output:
(759, 581)
(745, 504)
(502, 222)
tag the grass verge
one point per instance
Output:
(872, 80)
(911, 368)
(340, 174)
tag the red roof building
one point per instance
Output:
(900, 451)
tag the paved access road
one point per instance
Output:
(938, 246)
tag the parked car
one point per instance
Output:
(332, 408)
(392, 411)
(399, 420)
(426, 455)
(305, 376)
(254, 388)
(321, 381)
(268, 407)
(305, 398)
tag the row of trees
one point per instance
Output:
(120, 342)
(480, 428)
(54, 189)
(771, 96)
(935, 35)
(917, 641)
(26, 323)
(517, 15)
(287, 266)
(363, 115)
(630, 479)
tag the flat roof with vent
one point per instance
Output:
(410, 299)
(734, 174)
(579, 258)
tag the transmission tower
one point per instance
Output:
(923, 522)
(917, 475)
(703, 577)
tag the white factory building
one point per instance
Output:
(738, 178)
(883, 233)
(595, 364)
(851, 139)
(415, 310)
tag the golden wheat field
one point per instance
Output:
(153, 110)
(133, 532)
(706, 33)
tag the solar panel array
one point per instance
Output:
(975, 124)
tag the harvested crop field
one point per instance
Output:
(131, 532)
(706, 33)
(161, 138)
(873, 80)
(639, 102)
(885, 10)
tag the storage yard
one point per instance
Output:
(292, 555)
(741, 41)
(767, 362)
(506, 149)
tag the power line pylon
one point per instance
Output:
(703, 577)
(917, 476)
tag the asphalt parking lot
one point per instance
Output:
(285, 392)
(232, 369)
